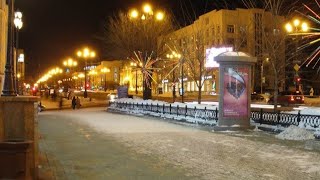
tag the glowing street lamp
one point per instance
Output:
(146, 12)
(296, 27)
(18, 24)
(105, 71)
(86, 53)
(175, 55)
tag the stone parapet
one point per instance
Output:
(18, 123)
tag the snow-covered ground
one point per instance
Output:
(288, 133)
(205, 155)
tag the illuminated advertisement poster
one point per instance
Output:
(235, 97)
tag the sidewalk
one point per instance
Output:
(51, 104)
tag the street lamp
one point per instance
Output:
(81, 76)
(146, 13)
(86, 53)
(136, 69)
(18, 24)
(175, 55)
(105, 71)
(295, 28)
(70, 63)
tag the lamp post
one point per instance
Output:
(136, 69)
(8, 88)
(86, 53)
(18, 24)
(70, 63)
(105, 71)
(175, 55)
(294, 28)
(146, 22)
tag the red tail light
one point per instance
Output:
(302, 98)
(291, 98)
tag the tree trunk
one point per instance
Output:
(275, 92)
(147, 93)
(199, 96)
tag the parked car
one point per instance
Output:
(256, 97)
(287, 98)
(112, 97)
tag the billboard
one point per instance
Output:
(211, 53)
(235, 96)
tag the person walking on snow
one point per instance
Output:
(73, 102)
(78, 103)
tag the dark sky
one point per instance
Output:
(55, 29)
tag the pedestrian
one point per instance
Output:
(73, 103)
(60, 102)
(311, 92)
(78, 103)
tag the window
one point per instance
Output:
(230, 28)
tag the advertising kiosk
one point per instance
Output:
(235, 72)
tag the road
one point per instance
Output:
(94, 144)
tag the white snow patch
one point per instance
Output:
(295, 133)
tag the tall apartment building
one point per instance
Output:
(3, 39)
(244, 30)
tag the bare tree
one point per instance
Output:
(137, 38)
(272, 38)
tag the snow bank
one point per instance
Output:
(295, 133)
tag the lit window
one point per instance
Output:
(230, 28)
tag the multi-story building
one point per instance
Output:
(3, 39)
(246, 30)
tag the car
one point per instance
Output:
(256, 97)
(287, 98)
(112, 97)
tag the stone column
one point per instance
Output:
(235, 73)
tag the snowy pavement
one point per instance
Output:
(210, 155)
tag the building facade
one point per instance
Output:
(3, 40)
(246, 30)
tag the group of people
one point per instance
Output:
(75, 103)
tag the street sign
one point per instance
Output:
(296, 67)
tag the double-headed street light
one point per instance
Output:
(146, 13)
(295, 28)
(18, 24)
(105, 71)
(70, 63)
(86, 53)
(175, 55)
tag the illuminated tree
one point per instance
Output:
(134, 35)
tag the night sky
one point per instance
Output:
(55, 29)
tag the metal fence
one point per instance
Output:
(262, 117)
(285, 119)
(204, 114)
